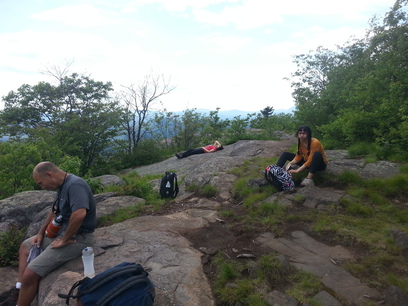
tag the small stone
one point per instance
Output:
(246, 256)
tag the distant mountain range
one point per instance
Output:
(230, 114)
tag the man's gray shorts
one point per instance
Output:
(52, 258)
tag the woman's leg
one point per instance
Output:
(317, 164)
(286, 156)
(192, 152)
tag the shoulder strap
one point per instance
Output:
(70, 295)
(176, 187)
(119, 289)
(103, 278)
(268, 174)
(100, 280)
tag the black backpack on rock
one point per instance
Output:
(123, 285)
(279, 178)
(168, 186)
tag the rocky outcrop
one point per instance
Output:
(307, 254)
(155, 242)
(106, 180)
(159, 243)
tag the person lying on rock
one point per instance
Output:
(76, 204)
(310, 155)
(208, 149)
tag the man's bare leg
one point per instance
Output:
(22, 260)
(29, 287)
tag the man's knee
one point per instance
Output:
(23, 249)
(30, 277)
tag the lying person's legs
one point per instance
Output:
(190, 152)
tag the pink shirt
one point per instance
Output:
(210, 148)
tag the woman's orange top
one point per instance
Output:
(315, 146)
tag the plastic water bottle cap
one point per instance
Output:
(88, 251)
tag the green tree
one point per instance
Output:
(360, 91)
(239, 127)
(165, 127)
(18, 159)
(267, 112)
(214, 127)
(76, 115)
(189, 127)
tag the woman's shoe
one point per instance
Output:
(307, 182)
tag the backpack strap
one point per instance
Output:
(176, 187)
(109, 275)
(70, 295)
(268, 174)
(122, 287)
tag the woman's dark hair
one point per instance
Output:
(304, 128)
(220, 148)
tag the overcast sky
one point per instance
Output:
(231, 54)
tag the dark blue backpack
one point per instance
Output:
(123, 285)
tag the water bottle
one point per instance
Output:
(88, 260)
(54, 227)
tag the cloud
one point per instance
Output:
(81, 15)
(225, 43)
(251, 14)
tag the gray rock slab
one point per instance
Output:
(400, 239)
(323, 298)
(24, 206)
(8, 279)
(395, 296)
(156, 243)
(339, 163)
(380, 169)
(213, 168)
(309, 255)
(110, 179)
(280, 299)
(320, 196)
(110, 205)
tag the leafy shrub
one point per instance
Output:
(305, 286)
(9, 245)
(121, 215)
(272, 269)
(210, 190)
(207, 190)
(361, 149)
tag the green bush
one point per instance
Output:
(9, 245)
(207, 190)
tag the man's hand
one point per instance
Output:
(75, 221)
(58, 243)
(37, 239)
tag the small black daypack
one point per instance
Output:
(279, 178)
(169, 186)
(123, 285)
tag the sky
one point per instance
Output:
(231, 54)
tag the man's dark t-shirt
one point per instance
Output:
(74, 194)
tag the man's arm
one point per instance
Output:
(40, 235)
(75, 221)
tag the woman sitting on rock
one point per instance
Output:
(207, 149)
(310, 155)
